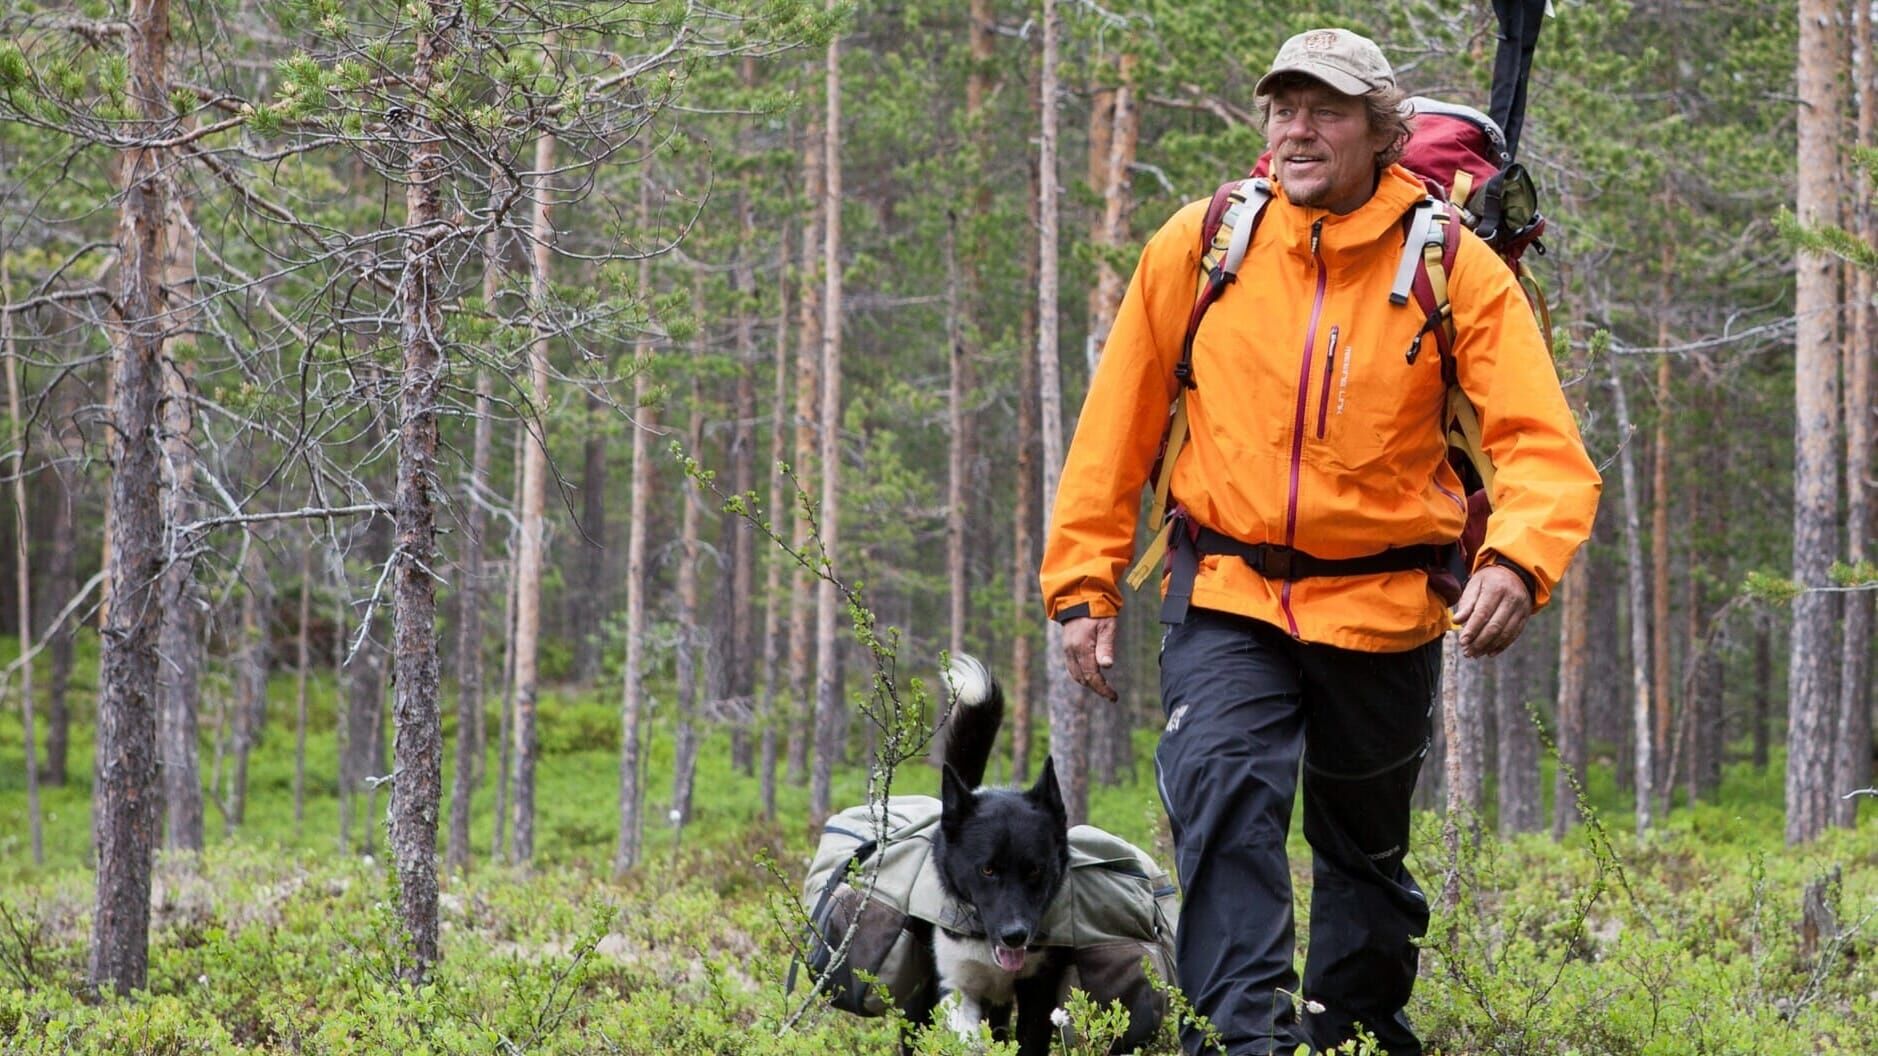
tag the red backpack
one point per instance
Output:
(1461, 156)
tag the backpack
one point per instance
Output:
(1114, 915)
(1460, 155)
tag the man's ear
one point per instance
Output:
(1048, 793)
(956, 800)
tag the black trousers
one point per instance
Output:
(1245, 704)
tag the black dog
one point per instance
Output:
(1004, 853)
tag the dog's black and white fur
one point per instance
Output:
(1004, 853)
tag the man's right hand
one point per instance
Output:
(1089, 645)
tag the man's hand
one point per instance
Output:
(1089, 645)
(1492, 611)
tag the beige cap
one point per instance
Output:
(1348, 62)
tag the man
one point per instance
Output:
(1314, 433)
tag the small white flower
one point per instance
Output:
(1060, 1017)
(1314, 1007)
(675, 816)
(202, 980)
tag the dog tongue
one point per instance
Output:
(1009, 958)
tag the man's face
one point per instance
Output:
(1323, 150)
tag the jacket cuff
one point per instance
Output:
(1531, 581)
(1074, 612)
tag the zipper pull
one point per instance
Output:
(1331, 360)
(1317, 230)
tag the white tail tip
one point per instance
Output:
(967, 681)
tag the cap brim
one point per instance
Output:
(1347, 83)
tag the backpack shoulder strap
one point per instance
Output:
(1226, 234)
(1433, 262)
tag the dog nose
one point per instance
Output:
(1014, 937)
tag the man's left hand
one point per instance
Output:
(1492, 611)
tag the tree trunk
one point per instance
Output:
(692, 639)
(530, 557)
(417, 720)
(253, 659)
(1463, 713)
(738, 647)
(62, 577)
(124, 784)
(23, 566)
(1763, 693)
(1114, 132)
(768, 716)
(1664, 702)
(808, 386)
(505, 720)
(590, 603)
(469, 617)
(1025, 514)
(180, 635)
(632, 703)
(1069, 708)
(1518, 755)
(303, 658)
(1854, 766)
(958, 447)
(1573, 642)
(828, 701)
(1811, 721)
(1644, 758)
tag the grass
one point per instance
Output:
(275, 941)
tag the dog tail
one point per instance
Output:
(977, 711)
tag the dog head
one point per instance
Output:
(1004, 853)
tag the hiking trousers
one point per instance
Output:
(1245, 705)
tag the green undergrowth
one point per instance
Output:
(1691, 941)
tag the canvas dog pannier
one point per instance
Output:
(873, 875)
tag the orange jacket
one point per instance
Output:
(1309, 427)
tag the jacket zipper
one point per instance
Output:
(1297, 424)
(1330, 370)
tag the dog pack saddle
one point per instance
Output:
(873, 876)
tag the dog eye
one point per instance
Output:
(989, 871)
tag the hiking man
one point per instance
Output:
(1315, 504)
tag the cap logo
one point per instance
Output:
(1321, 41)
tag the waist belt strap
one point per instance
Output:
(1277, 562)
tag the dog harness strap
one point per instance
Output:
(1191, 541)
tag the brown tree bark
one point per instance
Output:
(531, 555)
(1812, 649)
(828, 702)
(590, 604)
(124, 787)
(1517, 758)
(62, 580)
(1025, 515)
(23, 567)
(693, 640)
(1573, 646)
(1853, 768)
(1068, 704)
(417, 720)
(470, 620)
(1763, 694)
(632, 703)
(1644, 758)
(254, 655)
(738, 647)
(1463, 713)
(180, 635)
(1660, 677)
(808, 388)
(769, 717)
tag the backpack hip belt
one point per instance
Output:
(1191, 541)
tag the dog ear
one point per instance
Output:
(955, 799)
(1047, 792)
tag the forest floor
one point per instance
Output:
(276, 941)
